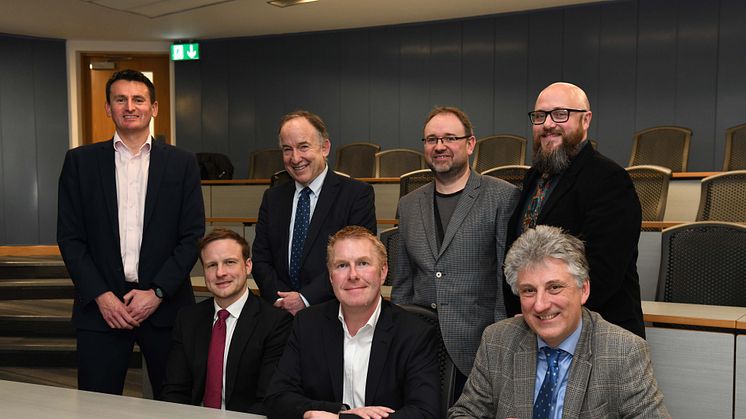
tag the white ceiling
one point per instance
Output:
(187, 19)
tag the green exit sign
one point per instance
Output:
(181, 52)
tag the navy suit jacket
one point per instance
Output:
(595, 201)
(256, 346)
(402, 371)
(342, 202)
(88, 229)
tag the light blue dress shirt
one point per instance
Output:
(568, 345)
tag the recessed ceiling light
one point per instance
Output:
(286, 3)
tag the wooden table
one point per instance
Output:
(22, 400)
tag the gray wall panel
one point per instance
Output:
(215, 134)
(614, 110)
(20, 143)
(656, 64)
(477, 80)
(511, 76)
(696, 79)
(731, 88)
(444, 65)
(241, 125)
(355, 87)
(269, 91)
(326, 87)
(51, 130)
(188, 96)
(384, 90)
(414, 86)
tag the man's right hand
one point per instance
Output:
(115, 312)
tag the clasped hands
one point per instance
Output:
(137, 306)
(365, 412)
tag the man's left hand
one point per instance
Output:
(141, 303)
(319, 414)
(290, 301)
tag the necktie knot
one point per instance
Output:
(223, 314)
(305, 192)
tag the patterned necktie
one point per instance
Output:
(300, 230)
(544, 405)
(534, 207)
(214, 382)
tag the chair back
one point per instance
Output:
(214, 166)
(666, 146)
(408, 182)
(735, 148)
(447, 367)
(723, 197)
(512, 174)
(279, 178)
(398, 161)
(264, 163)
(499, 150)
(651, 185)
(390, 240)
(703, 263)
(357, 159)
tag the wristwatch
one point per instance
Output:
(158, 292)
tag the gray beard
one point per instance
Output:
(555, 161)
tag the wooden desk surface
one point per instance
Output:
(741, 323)
(22, 400)
(693, 314)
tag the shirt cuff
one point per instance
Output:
(304, 300)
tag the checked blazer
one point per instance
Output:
(611, 374)
(461, 279)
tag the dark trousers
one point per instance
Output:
(103, 357)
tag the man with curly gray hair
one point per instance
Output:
(558, 359)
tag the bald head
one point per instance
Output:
(571, 95)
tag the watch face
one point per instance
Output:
(158, 292)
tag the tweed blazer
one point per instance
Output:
(462, 278)
(611, 374)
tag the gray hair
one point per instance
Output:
(537, 245)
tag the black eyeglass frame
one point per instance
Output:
(448, 139)
(545, 113)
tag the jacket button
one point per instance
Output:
(438, 274)
(434, 306)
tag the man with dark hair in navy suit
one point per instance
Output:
(130, 215)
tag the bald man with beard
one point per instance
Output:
(573, 186)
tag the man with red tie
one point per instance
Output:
(225, 348)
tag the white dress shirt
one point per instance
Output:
(357, 358)
(132, 186)
(230, 325)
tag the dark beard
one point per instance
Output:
(556, 161)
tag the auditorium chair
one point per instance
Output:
(408, 182)
(357, 159)
(651, 184)
(666, 146)
(735, 148)
(264, 163)
(499, 150)
(398, 161)
(723, 197)
(512, 174)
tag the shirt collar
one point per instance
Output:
(235, 308)
(119, 145)
(315, 184)
(569, 344)
(372, 321)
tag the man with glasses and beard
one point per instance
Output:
(573, 186)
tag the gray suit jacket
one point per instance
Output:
(463, 278)
(611, 375)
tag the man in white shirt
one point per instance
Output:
(130, 215)
(243, 354)
(360, 355)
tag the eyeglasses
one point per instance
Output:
(448, 139)
(557, 115)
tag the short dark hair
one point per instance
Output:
(468, 127)
(312, 119)
(225, 234)
(360, 233)
(130, 75)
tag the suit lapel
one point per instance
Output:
(285, 211)
(202, 336)
(155, 176)
(247, 323)
(466, 201)
(427, 211)
(327, 198)
(379, 350)
(580, 370)
(524, 369)
(334, 349)
(107, 171)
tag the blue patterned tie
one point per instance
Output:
(300, 230)
(544, 405)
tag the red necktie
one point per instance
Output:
(214, 382)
